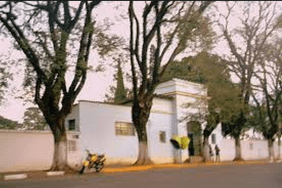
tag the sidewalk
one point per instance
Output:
(115, 169)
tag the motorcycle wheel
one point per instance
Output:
(82, 170)
(99, 167)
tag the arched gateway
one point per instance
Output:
(194, 131)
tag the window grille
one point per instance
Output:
(251, 146)
(162, 137)
(124, 129)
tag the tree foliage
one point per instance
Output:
(34, 120)
(184, 70)
(5, 76)
(7, 123)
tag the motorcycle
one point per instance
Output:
(93, 161)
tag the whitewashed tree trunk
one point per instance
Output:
(60, 151)
(206, 149)
(270, 150)
(143, 156)
(238, 154)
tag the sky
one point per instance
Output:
(94, 89)
(97, 84)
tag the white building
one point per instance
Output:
(107, 128)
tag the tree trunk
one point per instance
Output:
(279, 144)
(206, 153)
(270, 149)
(60, 151)
(60, 147)
(140, 116)
(238, 155)
(143, 156)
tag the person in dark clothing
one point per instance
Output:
(217, 150)
(191, 149)
(211, 153)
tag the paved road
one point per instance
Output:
(226, 176)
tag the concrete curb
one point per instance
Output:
(127, 169)
(15, 177)
(166, 166)
(55, 173)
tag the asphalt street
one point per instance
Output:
(223, 176)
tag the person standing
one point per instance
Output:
(211, 153)
(217, 156)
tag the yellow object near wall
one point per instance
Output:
(180, 142)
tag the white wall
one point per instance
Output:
(254, 149)
(97, 122)
(30, 150)
(74, 157)
(258, 150)
(160, 152)
(22, 150)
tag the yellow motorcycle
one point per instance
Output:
(94, 161)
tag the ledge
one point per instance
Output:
(55, 173)
(15, 176)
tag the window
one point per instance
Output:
(213, 138)
(71, 145)
(162, 137)
(124, 129)
(72, 125)
(251, 146)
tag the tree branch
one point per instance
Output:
(134, 77)
(22, 41)
(136, 50)
(85, 42)
(181, 44)
(175, 30)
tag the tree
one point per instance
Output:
(146, 74)
(34, 120)
(5, 77)
(270, 86)
(211, 71)
(184, 69)
(46, 44)
(257, 24)
(7, 124)
(118, 93)
(222, 100)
